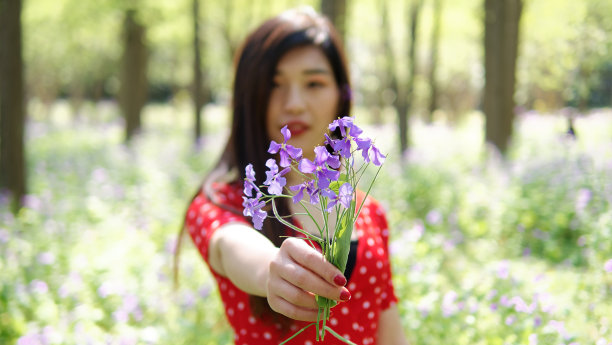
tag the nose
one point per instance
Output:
(294, 103)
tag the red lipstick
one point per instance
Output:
(297, 128)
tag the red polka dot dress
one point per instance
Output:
(370, 282)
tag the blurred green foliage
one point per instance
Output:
(73, 48)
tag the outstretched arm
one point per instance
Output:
(288, 276)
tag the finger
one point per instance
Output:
(314, 261)
(300, 277)
(305, 279)
(280, 305)
(294, 294)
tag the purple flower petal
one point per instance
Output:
(39, 286)
(274, 180)
(321, 155)
(309, 188)
(46, 258)
(286, 151)
(258, 218)
(343, 147)
(300, 192)
(313, 192)
(332, 198)
(253, 208)
(377, 157)
(326, 176)
(306, 166)
(294, 152)
(364, 144)
(286, 133)
(250, 173)
(248, 188)
(333, 162)
(342, 123)
(354, 131)
(249, 181)
(276, 186)
(284, 159)
(271, 164)
(345, 194)
(274, 147)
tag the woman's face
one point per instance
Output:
(304, 98)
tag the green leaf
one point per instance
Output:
(343, 239)
(325, 302)
(335, 185)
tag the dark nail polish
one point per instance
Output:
(340, 280)
(345, 295)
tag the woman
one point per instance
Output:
(292, 72)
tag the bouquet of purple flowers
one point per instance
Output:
(330, 183)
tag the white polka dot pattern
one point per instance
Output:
(370, 286)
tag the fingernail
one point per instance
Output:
(345, 295)
(340, 280)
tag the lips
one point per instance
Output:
(297, 128)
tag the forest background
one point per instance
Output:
(501, 217)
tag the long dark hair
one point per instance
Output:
(248, 140)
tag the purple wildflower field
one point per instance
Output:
(484, 250)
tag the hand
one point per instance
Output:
(297, 273)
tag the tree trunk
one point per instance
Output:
(134, 85)
(197, 72)
(335, 10)
(77, 98)
(403, 100)
(226, 30)
(393, 83)
(12, 103)
(414, 11)
(435, 42)
(502, 19)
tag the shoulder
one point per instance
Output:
(221, 194)
(211, 210)
(371, 207)
(372, 218)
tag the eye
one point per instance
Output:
(315, 84)
(277, 81)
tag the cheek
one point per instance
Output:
(271, 120)
(274, 133)
(332, 106)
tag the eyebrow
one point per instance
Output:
(310, 71)
(317, 71)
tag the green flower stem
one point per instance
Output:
(286, 223)
(341, 338)
(311, 217)
(298, 333)
(369, 189)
